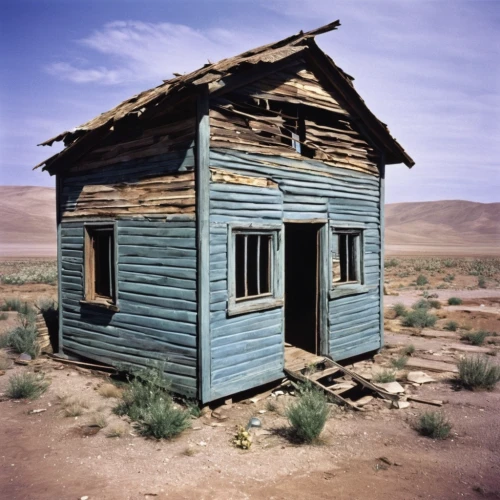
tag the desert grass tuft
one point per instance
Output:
(384, 376)
(408, 350)
(73, 407)
(26, 385)
(116, 430)
(3, 316)
(99, 420)
(147, 401)
(189, 451)
(422, 280)
(308, 414)
(419, 318)
(107, 390)
(451, 326)
(400, 362)
(399, 309)
(475, 372)
(475, 338)
(455, 301)
(433, 424)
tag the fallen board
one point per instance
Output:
(428, 364)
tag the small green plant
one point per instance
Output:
(193, 407)
(475, 372)
(399, 363)
(399, 309)
(475, 338)
(147, 401)
(455, 301)
(419, 318)
(26, 385)
(3, 316)
(384, 376)
(408, 350)
(308, 415)
(481, 282)
(451, 326)
(449, 278)
(422, 280)
(434, 424)
(24, 337)
(163, 420)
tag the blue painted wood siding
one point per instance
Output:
(156, 272)
(309, 190)
(156, 299)
(246, 350)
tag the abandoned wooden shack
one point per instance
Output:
(225, 213)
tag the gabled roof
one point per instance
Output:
(217, 77)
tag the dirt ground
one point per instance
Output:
(371, 454)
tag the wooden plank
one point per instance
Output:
(203, 244)
(324, 373)
(428, 364)
(226, 177)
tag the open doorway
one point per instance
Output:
(301, 285)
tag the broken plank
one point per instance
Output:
(324, 373)
(336, 397)
(428, 364)
(433, 402)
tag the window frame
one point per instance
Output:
(269, 300)
(339, 289)
(90, 295)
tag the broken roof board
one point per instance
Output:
(218, 77)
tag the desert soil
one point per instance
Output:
(47, 455)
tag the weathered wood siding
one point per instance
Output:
(258, 118)
(156, 257)
(161, 185)
(308, 189)
(247, 350)
(156, 275)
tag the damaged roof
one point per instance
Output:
(214, 76)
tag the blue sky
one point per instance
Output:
(428, 68)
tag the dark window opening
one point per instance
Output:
(252, 265)
(346, 257)
(100, 263)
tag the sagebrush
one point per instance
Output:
(434, 424)
(309, 413)
(26, 385)
(476, 372)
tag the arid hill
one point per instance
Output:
(27, 221)
(28, 228)
(454, 227)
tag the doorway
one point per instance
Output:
(302, 254)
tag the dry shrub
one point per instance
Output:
(476, 372)
(116, 430)
(26, 385)
(110, 391)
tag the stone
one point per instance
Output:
(400, 405)
(363, 401)
(23, 359)
(206, 411)
(419, 377)
(390, 387)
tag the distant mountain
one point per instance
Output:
(443, 227)
(456, 227)
(27, 221)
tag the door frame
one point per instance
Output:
(322, 273)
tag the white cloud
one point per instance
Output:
(135, 51)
